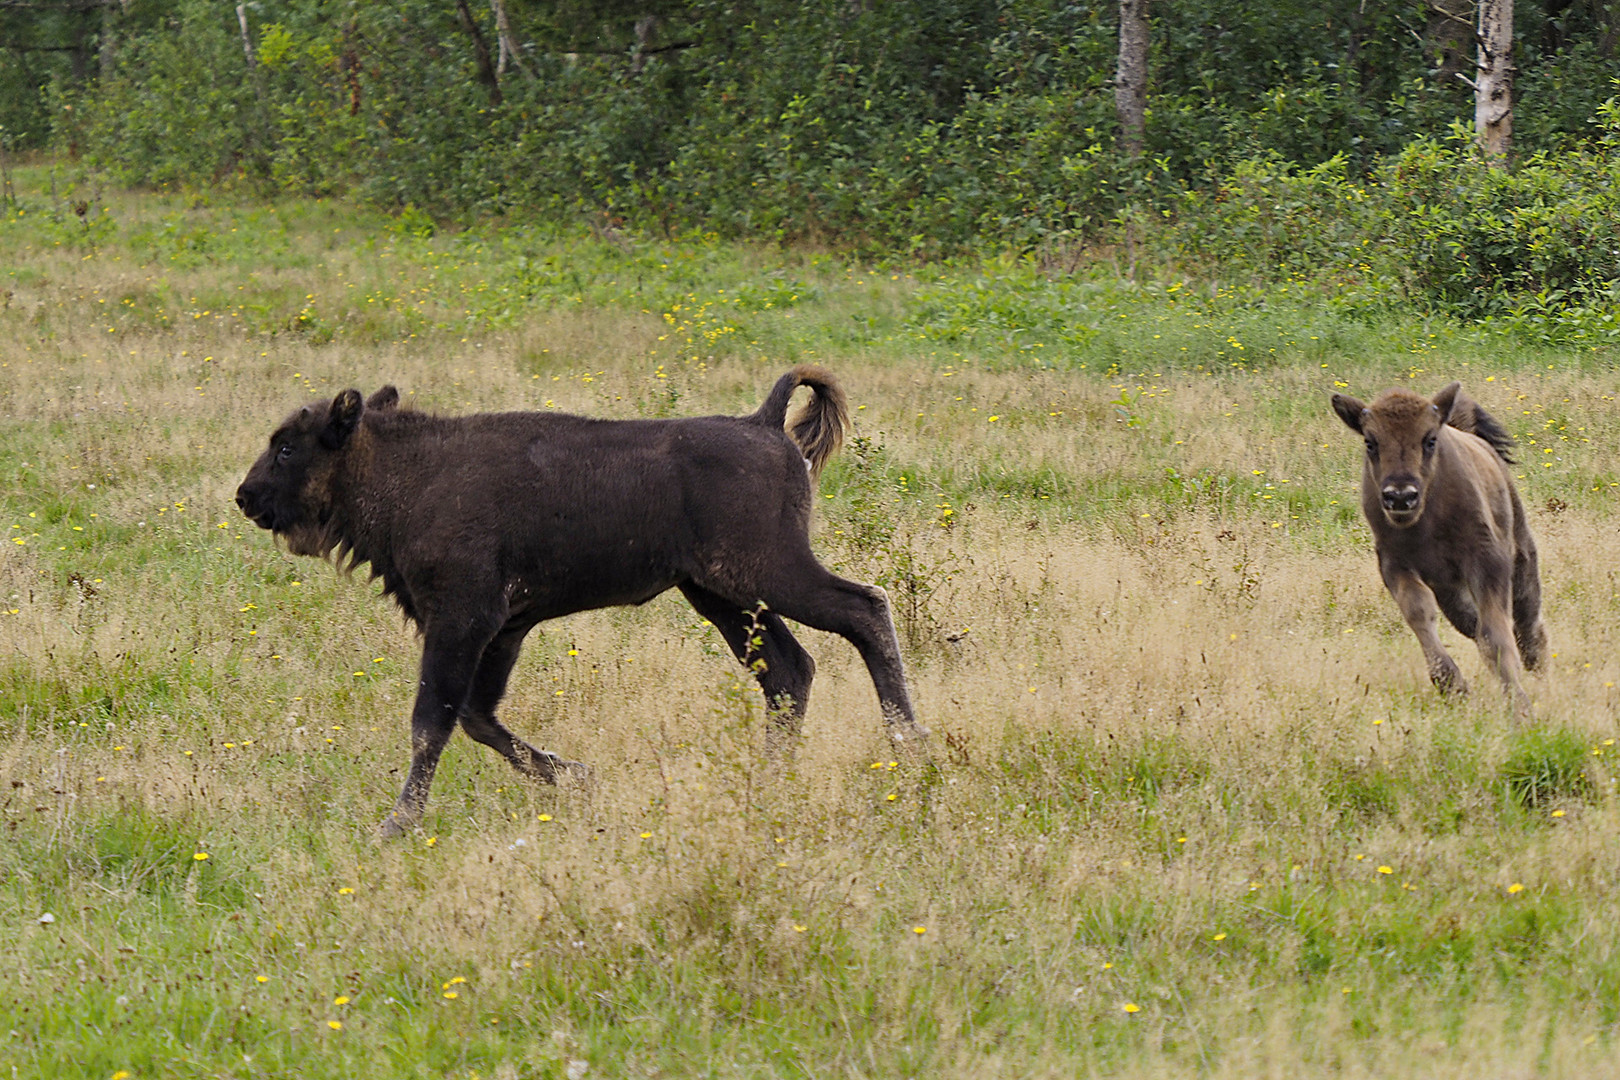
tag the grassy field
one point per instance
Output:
(1195, 809)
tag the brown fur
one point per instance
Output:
(1450, 530)
(481, 527)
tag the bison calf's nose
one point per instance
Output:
(1404, 497)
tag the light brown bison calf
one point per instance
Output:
(1450, 530)
(483, 526)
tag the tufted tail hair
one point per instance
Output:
(1468, 415)
(818, 428)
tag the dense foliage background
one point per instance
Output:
(1283, 137)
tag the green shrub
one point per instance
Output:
(1273, 218)
(178, 108)
(1470, 238)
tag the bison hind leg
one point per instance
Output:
(477, 716)
(1528, 629)
(860, 615)
(1532, 642)
(763, 643)
(541, 765)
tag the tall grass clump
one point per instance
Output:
(1545, 766)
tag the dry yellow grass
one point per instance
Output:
(1179, 729)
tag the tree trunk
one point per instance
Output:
(79, 57)
(108, 43)
(507, 41)
(1130, 80)
(247, 41)
(1450, 36)
(1553, 39)
(486, 66)
(644, 38)
(1493, 86)
(1611, 31)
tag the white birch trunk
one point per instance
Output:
(247, 42)
(1493, 87)
(1130, 79)
(644, 37)
(508, 41)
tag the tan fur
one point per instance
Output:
(1450, 530)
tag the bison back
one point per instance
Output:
(590, 513)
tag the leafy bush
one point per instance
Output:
(1471, 237)
(1273, 218)
(867, 128)
(1580, 317)
(178, 108)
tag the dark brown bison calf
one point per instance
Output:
(483, 526)
(1450, 530)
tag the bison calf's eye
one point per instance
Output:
(1428, 444)
(1372, 448)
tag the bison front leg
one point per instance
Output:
(478, 716)
(448, 664)
(1422, 614)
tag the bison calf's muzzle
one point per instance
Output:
(1401, 499)
(251, 510)
(481, 527)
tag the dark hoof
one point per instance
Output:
(1451, 683)
(392, 827)
(1532, 651)
(781, 745)
(573, 775)
(910, 739)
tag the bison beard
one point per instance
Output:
(481, 527)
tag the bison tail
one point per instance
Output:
(818, 428)
(1468, 415)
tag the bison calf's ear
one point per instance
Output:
(386, 398)
(1446, 400)
(342, 418)
(1349, 410)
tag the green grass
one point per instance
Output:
(1194, 808)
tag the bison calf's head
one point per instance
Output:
(289, 488)
(1402, 433)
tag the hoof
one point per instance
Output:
(1532, 651)
(1451, 683)
(574, 775)
(392, 827)
(781, 745)
(910, 738)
